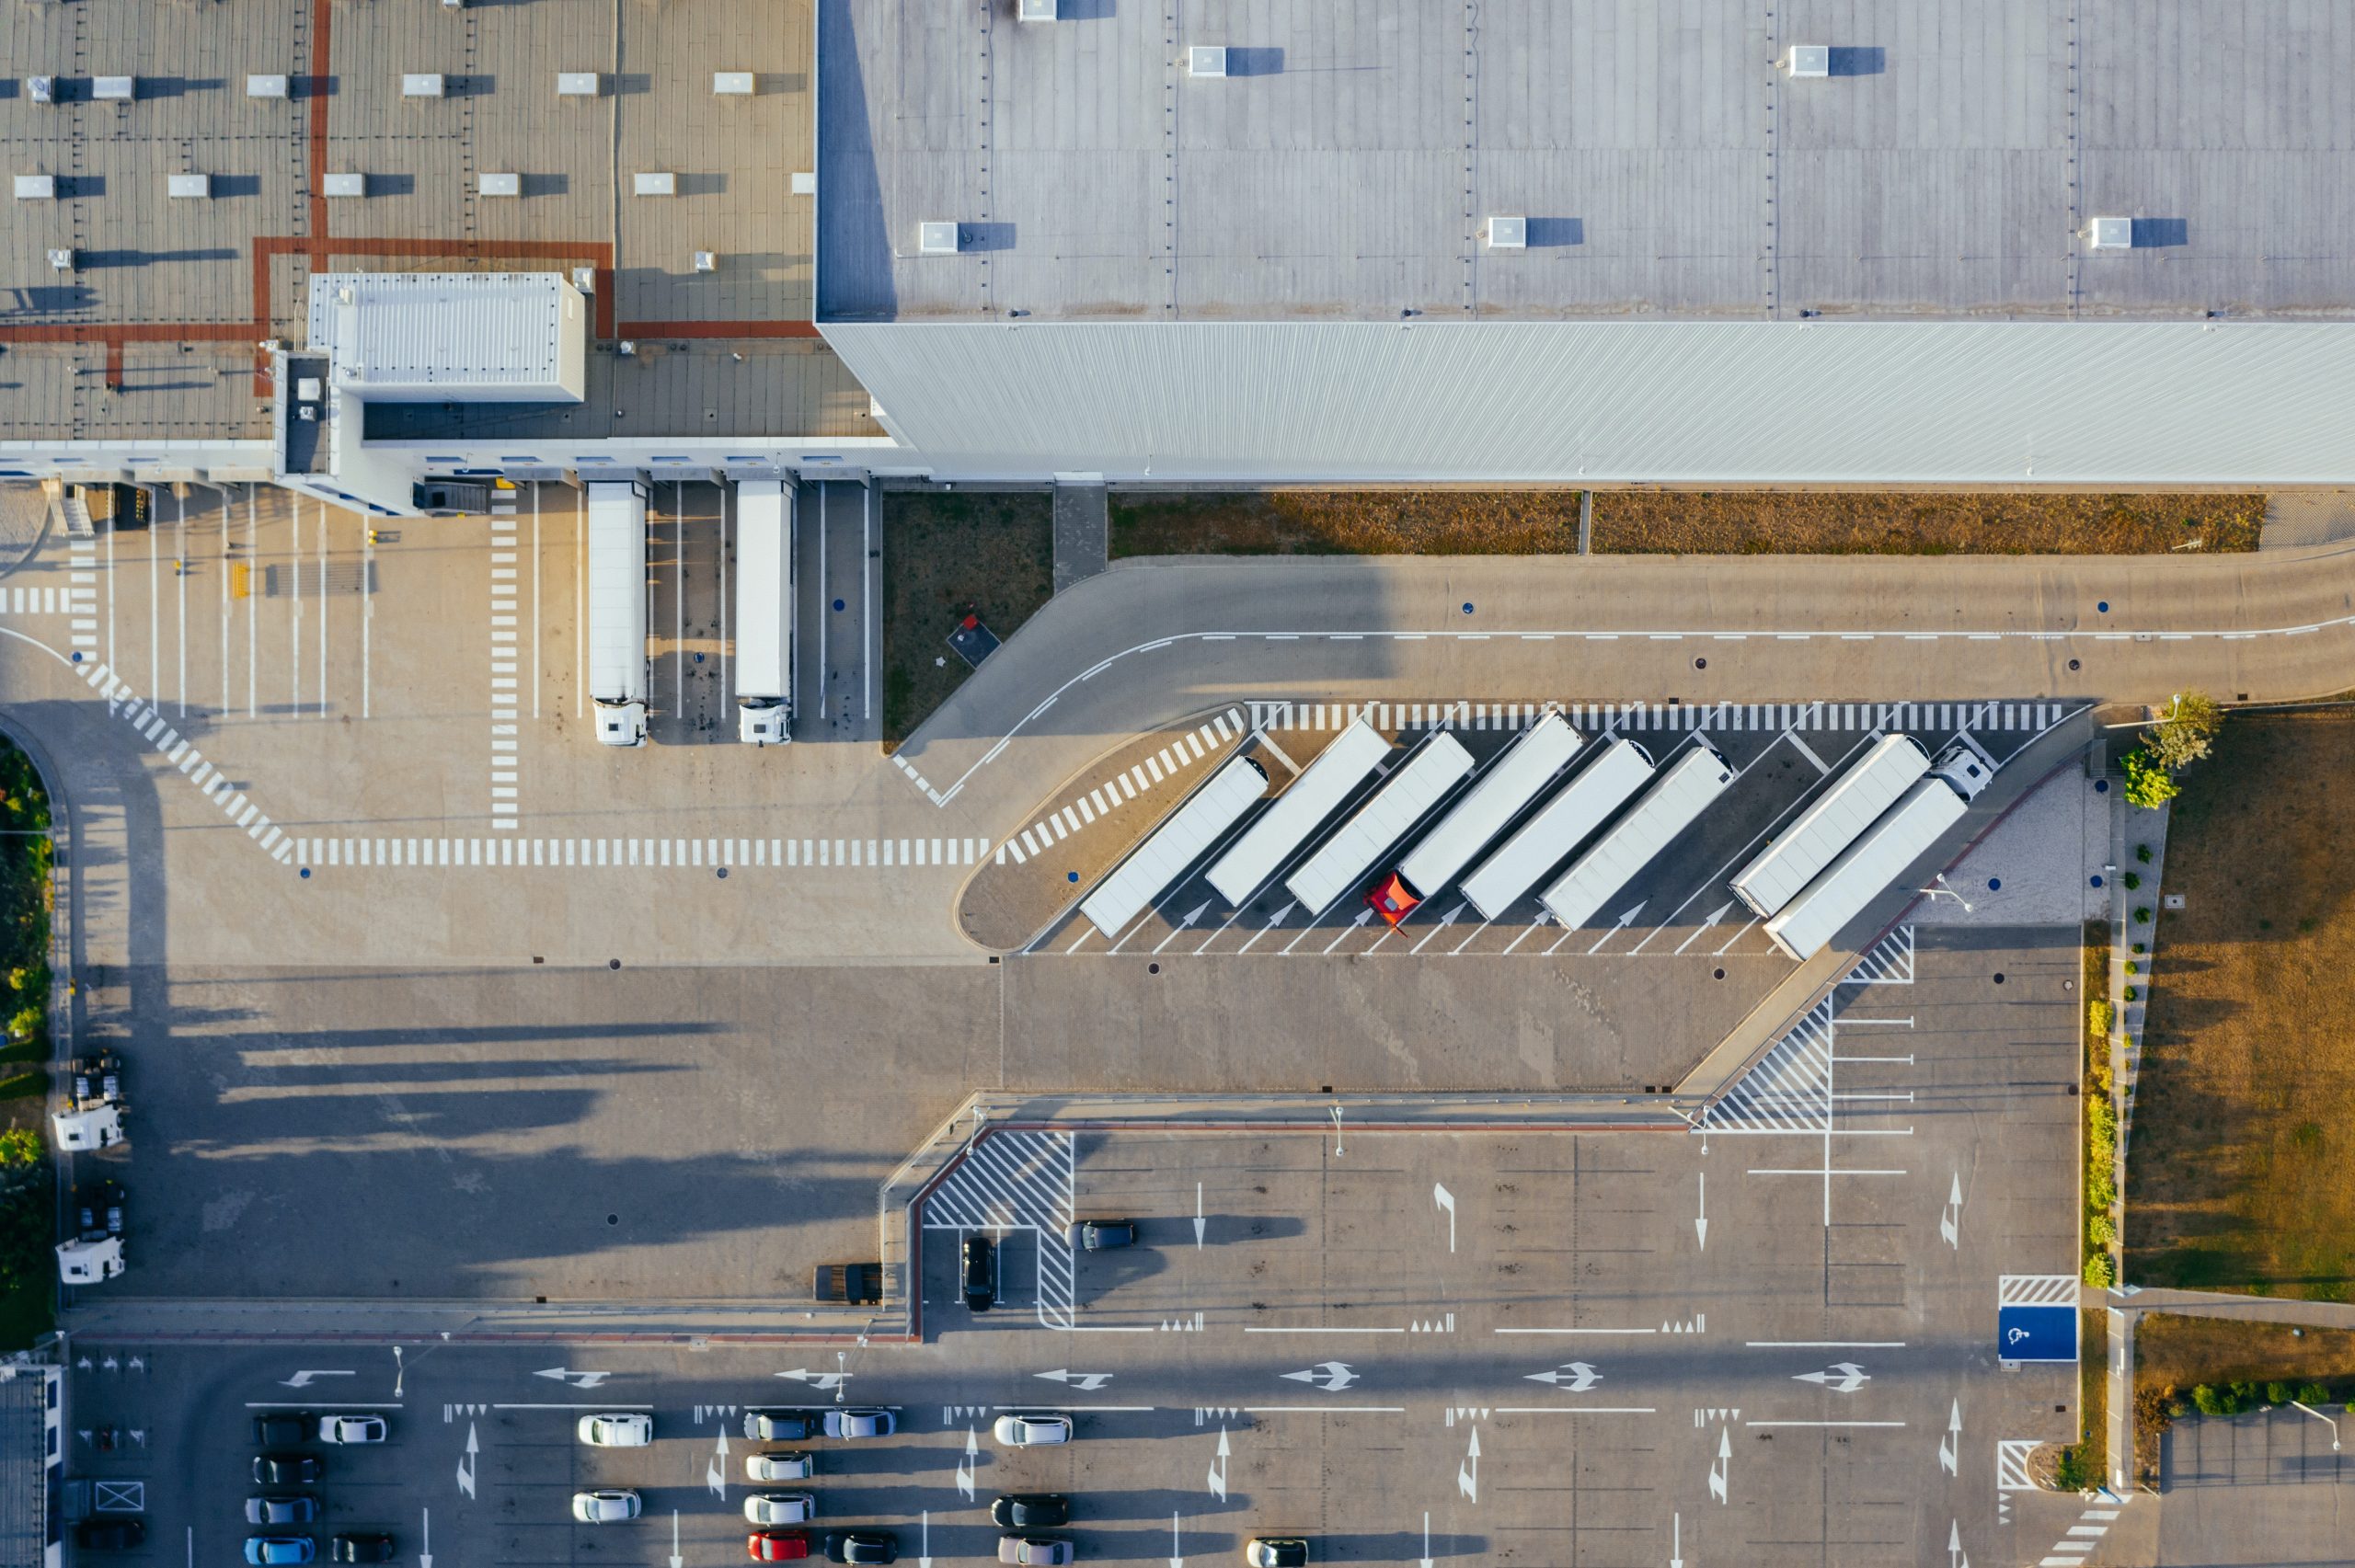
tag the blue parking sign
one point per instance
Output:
(2036, 1333)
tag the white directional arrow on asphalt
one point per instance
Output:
(1426, 1561)
(1446, 1201)
(1676, 1541)
(1085, 1383)
(1625, 921)
(425, 1540)
(676, 1559)
(1840, 1378)
(1950, 1445)
(1273, 920)
(1701, 1220)
(1445, 921)
(1715, 916)
(566, 1375)
(1950, 1216)
(466, 1462)
(715, 1474)
(1218, 1470)
(303, 1379)
(923, 1539)
(1192, 915)
(1721, 1472)
(1954, 1557)
(1364, 916)
(1200, 1224)
(1330, 1376)
(1177, 1556)
(1580, 1376)
(816, 1379)
(965, 1465)
(1467, 1474)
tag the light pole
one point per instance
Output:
(2326, 1420)
(1944, 891)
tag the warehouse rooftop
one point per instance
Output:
(1650, 157)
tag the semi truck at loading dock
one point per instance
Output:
(1679, 794)
(617, 611)
(1317, 793)
(1403, 799)
(1182, 839)
(1615, 769)
(1856, 799)
(1511, 783)
(1901, 835)
(763, 612)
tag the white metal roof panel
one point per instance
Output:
(503, 335)
(1809, 922)
(1245, 868)
(1436, 767)
(1614, 770)
(1181, 839)
(1511, 783)
(1684, 789)
(764, 587)
(1867, 787)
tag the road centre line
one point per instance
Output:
(609, 1404)
(1574, 1331)
(1825, 1344)
(1573, 1410)
(1328, 1331)
(1324, 1409)
(1097, 1408)
(1823, 1424)
(340, 1404)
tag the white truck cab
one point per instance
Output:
(87, 1262)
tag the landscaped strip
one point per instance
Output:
(28, 1180)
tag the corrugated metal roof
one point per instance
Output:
(2014, 404)
(452, 333)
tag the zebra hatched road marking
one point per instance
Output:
(1017, 1181)
(1790, 1089)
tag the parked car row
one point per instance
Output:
(276, 1516)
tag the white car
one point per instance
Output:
(622, 1429)
(351, 1429)
(1032, 1431)
(605, 1508)
(861, 1423)
(780, 1466)
(780, 1508)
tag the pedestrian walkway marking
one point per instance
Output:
(147, 721)
(2072, 1550)
(1172, 761)
(506, 768)
(1017, 1181)
(1888, 962)
(704, 854)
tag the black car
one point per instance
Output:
(300, 1509)
(861, 1545)
(1026, 1510)
(781, 1425)
(1102, 1235)
(285, 1427)
(108, 1534)
(286, 1469)
(980, 1273)
(361, 1548)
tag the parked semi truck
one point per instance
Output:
(765, 611)
(617, 611)
(1183, 838)
(1260, 852)
(1614, 770)
(1403, 798)
(1901, 835)
(1679, 794)
(1865, 789)
(1511, 783)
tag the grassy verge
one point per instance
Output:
(27, 1182)
(2223, 1366)
(1345, 522)
(2242, 1174)
(1864, 522)
(949, 554)
(2085, 1463)
(2098, 1186)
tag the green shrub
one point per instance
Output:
(2132, 882)
(2142, 914)
(2071, 1472)
(2143, 853)
(2314, 1394)
(20, 1146)
(2099, 1230)
(2148, 784)
(2140, 948)
(2099, 1016)
(26, 1024)
(2276, 1393)
(2100, 1273)
(2133, 967)
(2210, 1401)
(2132, 995)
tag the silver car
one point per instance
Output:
(1032, 1431)
(857, 1422)
(605, 1508)
(780, 1508)
(780, 1466)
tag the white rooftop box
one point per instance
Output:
(455, 337)
(41, 89)
(499, 184)
(936, 239)
(805, 182)
(1034, 11)
(421, 84)
(1206, 60)
(1508, 233)
(266, 86)
(92, 1127)
(2111, 233)
(345, 185)
(578, 84)
(88, 1263)
(732, 84)
(654, 183)
(36, 187)
(63, 260)
(1811, 60)
(195, 186)
(114, 89)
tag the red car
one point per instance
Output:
(777, 1546)
(1391, 901)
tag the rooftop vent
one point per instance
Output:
(578, 84)
(498, 185)
(1206, 60)
(345, 185)
(41, 89)
(36, 187)
(114, 89)
(266, 86)
(654, 183)
(1508, 233)
(805, 182)
(1034, 11)
(195, 186)
(422, 85)
(731, 84)
(936, 239)
(2111, 233)
(585, 279)
(62, 260)
(706, 261)
(1811, 60)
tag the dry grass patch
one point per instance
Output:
(1345, 522)
(2241, 1164)
(947, 555)
(2239, 1365)
(1754, 523)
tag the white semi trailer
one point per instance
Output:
(1865, 789)
(1614, 770)
(1184, 838)
(1682, 791)
(1901, 835)
(763, 612)
(1511, 783)
(1342, 862)
(617, 611)
(1254, 857)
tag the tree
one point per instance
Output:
(20, 1146)
(2187, 733)
(2148, 784)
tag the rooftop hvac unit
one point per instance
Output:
(114, 89)
(805, 182)
(41, 89)
(193, 187)
(2111, 233)
(422, 85)
(1508, 233)
(1034, 11)
(578, 84)
(1811, 60)
(936, 239)
(345, 185)
(1206, 60)
(266, 86)
(706, 261)
(585, 279)
(36, 187)
(62, 260)
(654, 183)
(306, 389)
(731, 84)
(498, 185)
